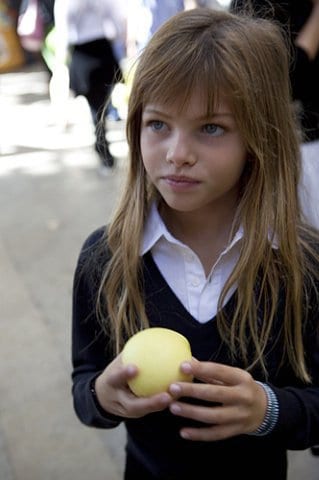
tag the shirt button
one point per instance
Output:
(195, 282)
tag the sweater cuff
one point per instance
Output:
(271, 415)
(112, 419)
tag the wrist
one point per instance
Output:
(109, 416)
(271, 414)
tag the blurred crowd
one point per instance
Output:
(88, 48)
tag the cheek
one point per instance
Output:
(237, 157)
(151, 154)
(146, 145)
(148, 161)
(236, 170)
(232, 164)
(144, 151)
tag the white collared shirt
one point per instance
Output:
(183, 271)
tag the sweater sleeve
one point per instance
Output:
(89, 344)
(298, 420)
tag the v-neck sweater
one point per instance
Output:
(153, 440)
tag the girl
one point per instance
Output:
(207, 240)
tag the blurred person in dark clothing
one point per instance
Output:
(88, 35)
(304, 73)
(300, 20)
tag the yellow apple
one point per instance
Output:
(158, 353)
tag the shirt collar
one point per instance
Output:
(155, 229)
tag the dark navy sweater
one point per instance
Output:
(154, 440)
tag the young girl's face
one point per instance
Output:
(194, 161)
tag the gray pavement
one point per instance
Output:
(51, 197)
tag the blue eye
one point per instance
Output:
(212, 129)
(156, 125)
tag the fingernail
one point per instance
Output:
(184, 435)
(186, 367)
(131, 369)
(174, 408)
(175, 389)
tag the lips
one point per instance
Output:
(179, 179)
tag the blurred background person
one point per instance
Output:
(35, 21)
(300, 21)
(11, 52)
(143, 19)
(146, 16)
(90, 37)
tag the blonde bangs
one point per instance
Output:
(171, 75)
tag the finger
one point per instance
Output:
(209, 434)
(215, 373)
(204, 391)
(140, 406)
(119, 377)
(218, 415)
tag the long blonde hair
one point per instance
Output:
(247, 59)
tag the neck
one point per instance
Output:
(206, 233)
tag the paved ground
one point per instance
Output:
(51, 197)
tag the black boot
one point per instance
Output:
(105, 156)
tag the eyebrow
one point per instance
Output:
(154, 111)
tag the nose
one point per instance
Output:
(180, 150)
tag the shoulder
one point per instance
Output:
(94, 241)
(94, 255)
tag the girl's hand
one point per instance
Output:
(242, 408)
(115, 396)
